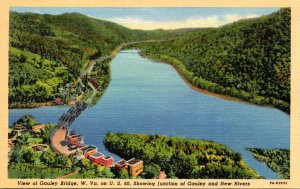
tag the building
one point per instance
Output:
(88, 150)
(75, 145)
(18, 127)
(99, 158)
(94, 82)
(107, 161)
(135, 166)
(71, 102)
(122, 164)
(38, 128)
(58, 101)
(74, 138)
(40, 147)
(96, 157)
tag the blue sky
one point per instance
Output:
(165, 18)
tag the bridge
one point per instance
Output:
(66, 119)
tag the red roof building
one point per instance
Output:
(121, 164)
(58, 101)
(107, 161)
(99, 158)
(96, 157)
(88, 150)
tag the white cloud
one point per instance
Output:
(190, 22)
(36, 11)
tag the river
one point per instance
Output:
(148, 97)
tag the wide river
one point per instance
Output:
(148, 97)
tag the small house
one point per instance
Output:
(58, 101)
(38, 128)
(121, 164)
(135, 166)
(71, 102)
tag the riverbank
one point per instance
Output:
(103, 63)
(276, 159)
(194, 82)
(208, 88)
(30, 105)
(182, 158)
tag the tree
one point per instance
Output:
(16, 155)
(106, 173)
(151, 171)
(27, 120)
(48, 157)
(123, 174)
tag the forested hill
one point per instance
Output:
(47, 52)
(248, 59)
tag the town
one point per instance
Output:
(68, 144)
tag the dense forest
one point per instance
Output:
(48, 52)
(248, 59)
(277, 159)
(180, 157)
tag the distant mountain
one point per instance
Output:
(184, 30)
(248, 59)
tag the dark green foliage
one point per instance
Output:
(180, 157)
(249, 59)
(48, 52)
(26, 120)
(46, 132)
(122, 174)
(16, 155)
(151, 171)
(26, 170)
(277, 159)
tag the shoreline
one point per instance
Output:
(206, 92)
(30, 105)
(195, 88)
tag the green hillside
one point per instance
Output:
(181, 157)
(248, 59)
(276, 159)
(48, 52)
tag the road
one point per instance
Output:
(92, 64)
(90, 100)
(112, 55)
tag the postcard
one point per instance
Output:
(133, 94)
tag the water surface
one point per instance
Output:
(148, 97)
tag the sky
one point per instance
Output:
(160, 18)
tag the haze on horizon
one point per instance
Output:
(159, 18)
